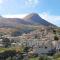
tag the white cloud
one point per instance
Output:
(3, 1)
(51, 18)
(31, 3)
(15, 16)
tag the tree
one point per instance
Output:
(26, 49)
(56, 38)
(54, 31)
(6, 42)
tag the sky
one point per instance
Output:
(47, 9)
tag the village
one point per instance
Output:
(41, 41)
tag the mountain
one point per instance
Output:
(17, 26)
(12, 22)
(34, 18)
(31, 19)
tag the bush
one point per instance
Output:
(54, 31)
(57, 55)
(56, 38)
(45, 58)
(33, 55)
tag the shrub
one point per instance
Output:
(45, 58)
(57, 55)
(56, 38)
(33, 55)
(54, 31)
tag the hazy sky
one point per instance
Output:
(47, 9)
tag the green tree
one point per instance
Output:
(56, 38)
(6, 42)
(54, 31)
